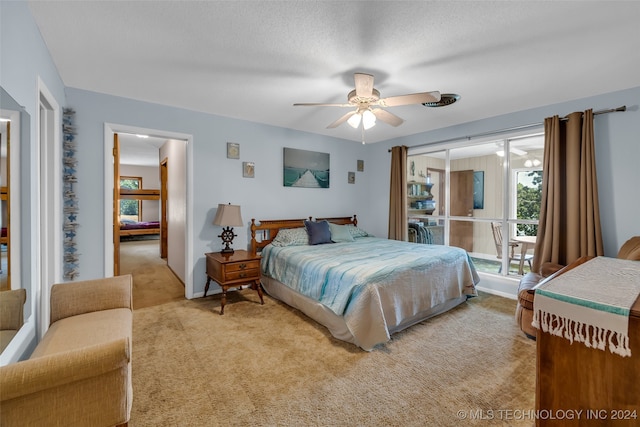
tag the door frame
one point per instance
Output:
(48, 210)
(164, 243)
(109, 130)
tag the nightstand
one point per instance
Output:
(233, 270)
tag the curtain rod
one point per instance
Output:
(512, 129)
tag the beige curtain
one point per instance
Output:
(398, 226)
(569, 224)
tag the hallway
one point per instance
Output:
(153, 282)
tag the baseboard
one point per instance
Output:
(498, 285)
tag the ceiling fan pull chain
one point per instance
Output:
(362, 127)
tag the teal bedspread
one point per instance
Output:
(378, 276)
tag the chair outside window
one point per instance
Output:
(514, 256)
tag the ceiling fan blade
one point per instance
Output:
(341, 120)
(320, 104)
(364, 84)
(414, 98)
(387, 117)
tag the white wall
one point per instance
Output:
(175, 152)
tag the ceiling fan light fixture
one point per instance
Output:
(368, 119)
(354, 121)
(365, 96)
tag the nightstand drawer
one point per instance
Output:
(253, 273)
(242, 265)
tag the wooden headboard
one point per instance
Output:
(269, 228)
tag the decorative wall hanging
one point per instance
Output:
(70, 201)
(304, 168)
(351, 177)
(360, 165)
(248, 169)
(478, 190)
(233, 150)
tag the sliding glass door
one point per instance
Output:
(485, 197)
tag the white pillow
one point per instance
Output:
(291, 237)
(356, 232)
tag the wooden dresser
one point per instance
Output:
(581, 386)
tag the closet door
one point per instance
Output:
(461, 232)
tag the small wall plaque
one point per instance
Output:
(233, 150)
(248, 169)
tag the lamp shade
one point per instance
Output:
(368, 119)
(354, 121)
(228, 216)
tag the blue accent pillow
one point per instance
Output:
(340, 233)
(319, 232)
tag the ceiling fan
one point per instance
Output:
(365, 96)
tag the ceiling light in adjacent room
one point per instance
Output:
(517, 151)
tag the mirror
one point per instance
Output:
(5, 242)
(14, 137)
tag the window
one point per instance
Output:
(485, 193)
(527, 199)
(130, 209)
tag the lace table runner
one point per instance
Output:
(590, 304)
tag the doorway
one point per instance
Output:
(136, 177)
(176, 150)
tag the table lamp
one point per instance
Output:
(228, 216)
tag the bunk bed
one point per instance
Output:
(138, 228)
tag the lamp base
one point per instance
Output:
(227, 238)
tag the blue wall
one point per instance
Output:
(617, 140)
(216, 179)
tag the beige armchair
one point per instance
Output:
(11, 315)
(526, 293)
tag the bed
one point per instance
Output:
(134, 228)
(362, 288)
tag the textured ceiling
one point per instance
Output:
(253, 59)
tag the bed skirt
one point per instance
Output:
(336, 324)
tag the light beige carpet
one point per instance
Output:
(153, 282)
(272, 366)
